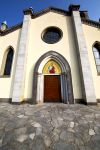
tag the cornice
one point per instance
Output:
(28, 11)
(91, 23)
(74, 8)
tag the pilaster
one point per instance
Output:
(82, 52)
(40, 88)
(19, 76)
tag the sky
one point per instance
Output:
(12, 10)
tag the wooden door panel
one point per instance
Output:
(52, 88)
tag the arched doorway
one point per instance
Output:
(52, 81)
(52, 67)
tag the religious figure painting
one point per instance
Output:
(51, 69)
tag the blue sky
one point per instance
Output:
(12, 10)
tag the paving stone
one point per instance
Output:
(90, 117)
(31, 136)
(55, 138)
(96, 140)
(47, 141)
(37, 125)
(97, 123)
(49, 127)
(20, 131)
(15, 123)
(22, 138)
(8, 138)
(38, 143)
(88, 148)
(29, 112)
(2, 131)
(82, 147)
(90, 145)
(78, 140)
(6, 147)
(1, 142)
(19, 146)
(71, 130)
(63, 146)
(55, 123)
(10, 125)
(97, 130)
(67, 136)
(56, 131)
(97, 116)
(39, 131)
(72, 124)
(91, 132)
(22, 116)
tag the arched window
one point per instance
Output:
(96, 51)
(8, 61)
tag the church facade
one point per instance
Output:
(52, 56)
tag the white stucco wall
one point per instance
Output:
(92, 34)
(11, 39)
(65, 47)
(36, 48)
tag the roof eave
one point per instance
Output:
(91, 23)
(11, 29)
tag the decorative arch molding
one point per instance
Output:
(66, 81)
(5, 59)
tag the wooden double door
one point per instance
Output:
(52, 88)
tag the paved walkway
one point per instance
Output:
(49, 127)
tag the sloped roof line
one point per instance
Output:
(53, 9)
(11, 29)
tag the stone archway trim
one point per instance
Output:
(66, 84)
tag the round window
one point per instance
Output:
(51, 35)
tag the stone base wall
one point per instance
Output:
(30, 101)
